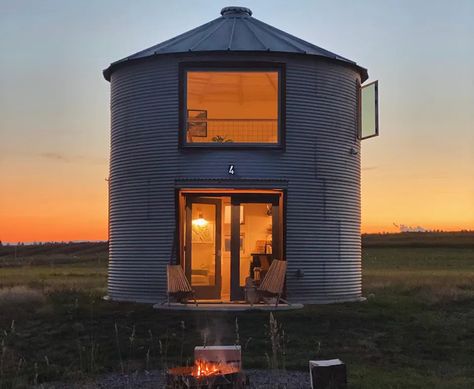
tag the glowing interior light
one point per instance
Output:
(200, 221)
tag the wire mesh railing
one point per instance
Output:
(232, 130)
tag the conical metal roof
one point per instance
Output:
(237, 31)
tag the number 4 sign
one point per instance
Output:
(231, 169)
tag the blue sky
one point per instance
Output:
(54, 103)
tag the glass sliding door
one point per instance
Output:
(227, 237)
(203, 246)
(255, 238)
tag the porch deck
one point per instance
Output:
(226, 306)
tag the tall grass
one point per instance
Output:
(119, 351)
(419, 320)
(276, 334)
(20, 295)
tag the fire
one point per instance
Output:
(204, 368)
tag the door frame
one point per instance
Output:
(275, 196)
(210, 291)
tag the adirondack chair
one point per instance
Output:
(272, 284)
(178, 284)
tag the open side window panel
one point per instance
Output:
(369, 110)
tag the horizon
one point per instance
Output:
(55, 117)
(46, 242)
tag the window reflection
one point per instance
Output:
(369, 111)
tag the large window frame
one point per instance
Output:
(185, 67)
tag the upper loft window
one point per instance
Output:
(231, 107)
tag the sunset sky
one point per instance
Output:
(54, 103)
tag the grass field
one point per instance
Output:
(415, 330)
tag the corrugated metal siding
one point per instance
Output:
(318, 170)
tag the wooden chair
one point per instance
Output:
(274, 281)
(178, 284)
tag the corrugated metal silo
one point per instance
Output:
(316, 166)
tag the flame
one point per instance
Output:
(204, 368)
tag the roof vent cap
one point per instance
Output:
(236, 11)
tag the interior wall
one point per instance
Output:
(239, 106)
(225, 269)
(203, 251)
(236, 110)
(256, 229)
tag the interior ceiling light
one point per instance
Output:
(200, 221)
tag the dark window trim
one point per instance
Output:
(359, 109)
(227, 65)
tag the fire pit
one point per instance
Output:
(209, 373)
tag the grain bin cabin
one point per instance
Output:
(232, 145)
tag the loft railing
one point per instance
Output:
(232, 130)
